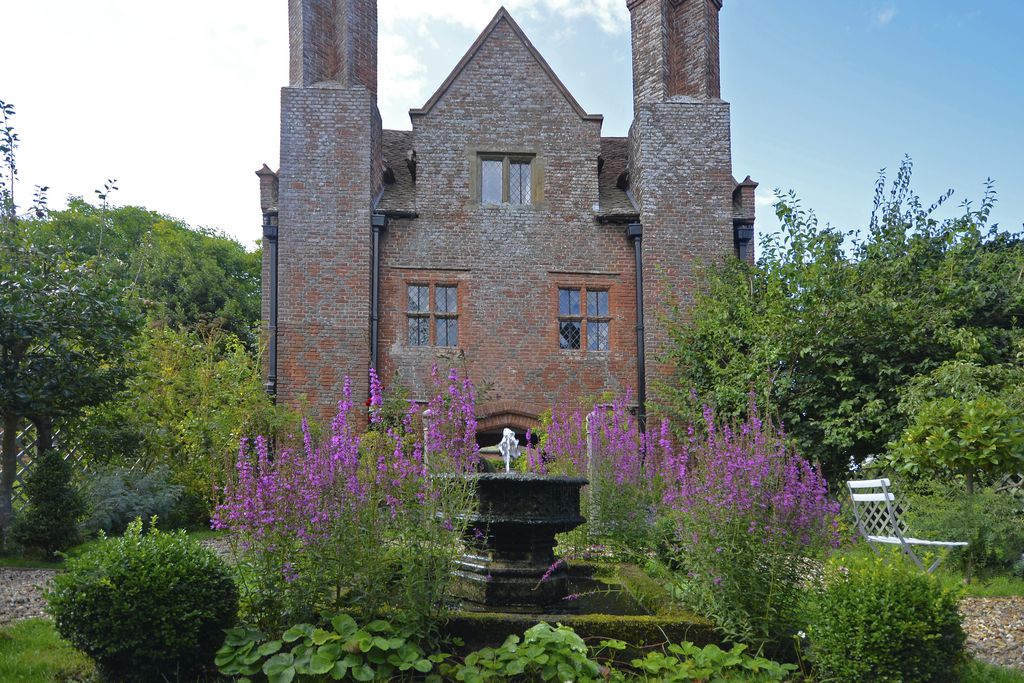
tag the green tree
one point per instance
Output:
(964, 419)
(65, 322)
(185, 276)
(827, 330)
(49, 522)
(65, 325)
(194, 394)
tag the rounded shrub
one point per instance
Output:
(877, 621)
(145, 607)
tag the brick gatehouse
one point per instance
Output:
(502, 232)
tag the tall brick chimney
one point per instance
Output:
(333, 40)
(675, 49)
(680, 159)
(330, 175)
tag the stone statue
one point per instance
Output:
(509, 447)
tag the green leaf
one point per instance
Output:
(279, 668)
(320, 636)
(296, 632)
(363, 672)
(320, 664)
(269, 648)
(344, 624)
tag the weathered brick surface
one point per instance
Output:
(324, 243)
(507, 261)
(675, 49)
(683, 182)
(333, 40)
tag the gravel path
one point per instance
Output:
(995, 626)
(995, 629)
(21, 593)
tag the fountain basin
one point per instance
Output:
(509, 562)
(626, 605)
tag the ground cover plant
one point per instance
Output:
(343, 650)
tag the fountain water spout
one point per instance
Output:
(509, 447)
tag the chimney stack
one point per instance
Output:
(333, 40)
(675, 49)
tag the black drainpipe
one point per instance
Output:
(635, 232)
(379, 223)
(270, 244)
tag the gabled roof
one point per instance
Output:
(503, 15)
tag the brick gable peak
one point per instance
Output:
(503, 16)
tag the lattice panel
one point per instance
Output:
(875, 518)
(1013, 485)
(26, 441)
(568, 335)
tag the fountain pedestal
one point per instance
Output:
(510, 540)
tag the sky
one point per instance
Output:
(179, 102)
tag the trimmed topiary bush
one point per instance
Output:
(49, 523)
(885, 622)
(145, 607)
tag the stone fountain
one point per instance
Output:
(508, 577)
(509, 561)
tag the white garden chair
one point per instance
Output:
(874, 508)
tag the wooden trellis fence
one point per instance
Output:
(26, 440)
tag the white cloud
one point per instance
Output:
(885, 16)
(764, 198)
(609, 15)
(401, 73)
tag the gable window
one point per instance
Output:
(506, 179)
(446, 312)
(583, 328)
(444, 315)
(597, 320)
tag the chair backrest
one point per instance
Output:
(875, 508)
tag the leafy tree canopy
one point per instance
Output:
(828, 328)
(65, 323)
(194, 395)
(184, 276)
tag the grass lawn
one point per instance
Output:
(997, 586)
(32, 652)
(979, 672)
(29, 563)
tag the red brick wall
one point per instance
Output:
(333, 40)
(681, 170)
(324, 244)
(675, 49)
(680, 158)
(693, 61)
(508, 261)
